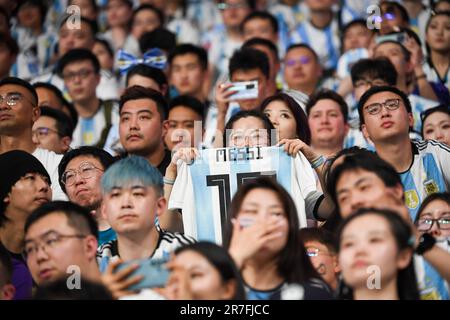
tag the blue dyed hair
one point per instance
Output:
(130, 170)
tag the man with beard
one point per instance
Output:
(141, 128)
(80, 172)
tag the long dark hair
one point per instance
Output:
(432, 16)
(443, 196)
(293, 263)
(245, 114)
(301, 120)
(222, 261)
(406, 278)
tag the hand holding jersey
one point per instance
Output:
(204, 189)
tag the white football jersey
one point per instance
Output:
(204, 189)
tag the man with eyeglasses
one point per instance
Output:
(320, 248)
(61, 243)
(70, 38)
(53, 130)
(80, 70)
(424, 166)
(364, 180)
(80, 173)
(393, 15)
(302, 69)
(18, 111)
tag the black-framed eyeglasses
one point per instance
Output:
(47, 242)
(82, 74)
(86, 170)
(389, 104)
(13, 98)
(43, 132)
(314, 252)
(225, 6)
(426, 224)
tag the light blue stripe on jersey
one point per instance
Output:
(433, 172)
(434, 280)
(333, 56)
(433, 175)
(204, 219)
(412, 195)
(284, 174)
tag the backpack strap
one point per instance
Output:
(107, 112)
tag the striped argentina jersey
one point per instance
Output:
(167, 243)
(432, 286)
(203, 190)
(429, 173)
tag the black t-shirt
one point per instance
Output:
(313, 289)
(165, 162)
(161, 167)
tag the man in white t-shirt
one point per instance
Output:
(80, 70)
(18, 111)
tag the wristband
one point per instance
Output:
(422, 76)
(317, 162)
(168, 181)
(426, 242)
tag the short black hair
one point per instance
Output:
(6, 267)
(73, 112)
(352, 23)
(375, 90)
(379, 68)
(150, 7)
(64, 124)
(58, 290)
(10, 43)
(149, 72)
(248, 59)
(91, 23)
(355, 22)
(250, 43)
(138, 92)
(331, 95)
(303, 46)
(37, 3)
(22, 83)
(93, 4)
(320, 235)
(367, 161)
(251, 3)
(76, 55)
(106, 44)
(187, 48)
(159, 38)
(78, 217)
(263, 15)
(405, 51)
(101, 155)
(190, 102)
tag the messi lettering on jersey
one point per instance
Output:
(204, 189)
